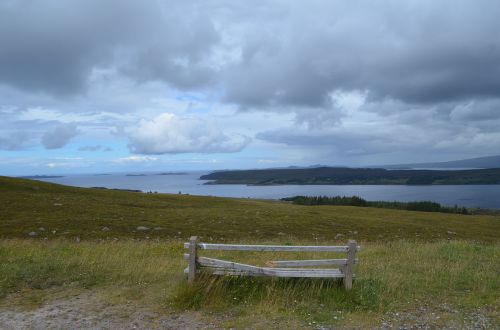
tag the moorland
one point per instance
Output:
(108, 258)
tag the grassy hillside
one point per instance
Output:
(397, 282)
(54, 211)
(416, 269)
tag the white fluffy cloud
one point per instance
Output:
(171, 134)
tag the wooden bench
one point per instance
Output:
(285, 268)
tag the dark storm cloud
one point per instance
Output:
(426, 73)
(474, 111)
(414, 51)
(342, 141)
(54, 46)
(178, 56)
(263, 54)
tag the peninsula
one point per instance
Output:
(353, 176)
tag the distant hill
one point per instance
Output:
(481, 162)
(350, 176)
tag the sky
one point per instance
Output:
(98, 86)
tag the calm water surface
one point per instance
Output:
(484, 196)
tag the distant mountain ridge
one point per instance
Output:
(480, 162)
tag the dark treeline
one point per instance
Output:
(426, 206)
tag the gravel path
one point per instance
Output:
(87, 311)
(439, 317)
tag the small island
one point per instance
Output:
(354, 176)
(35, 177)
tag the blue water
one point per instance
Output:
(484, 196)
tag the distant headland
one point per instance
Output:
(354, 176)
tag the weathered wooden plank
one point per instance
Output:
(268, 270)
(348, 268)
(242, 269)
(216, 263)
(331, 273)
(291, 248)
(304, 263)
(193, 241)
(242, 247)
(291, 275)
(245, 247)
(318, 270)
(223, 267)
(229, 265)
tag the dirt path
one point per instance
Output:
(87, 311)
(439, 317)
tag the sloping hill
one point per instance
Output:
(53, 211)
(402, 280)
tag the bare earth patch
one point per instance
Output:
(443, 316)
(88, 311)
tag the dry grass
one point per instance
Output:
(406, 260)
(391, 277)
(54, 212)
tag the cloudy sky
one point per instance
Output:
(120, 85)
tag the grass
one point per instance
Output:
(30, 265)
(390, 277)
(409, 259)
(54, 211)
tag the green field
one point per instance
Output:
(87, 240)
(68, 212)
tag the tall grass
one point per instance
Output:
(389, 277)
(27, 265)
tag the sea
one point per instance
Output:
(481, 196)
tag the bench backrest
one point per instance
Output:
(226, 267)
